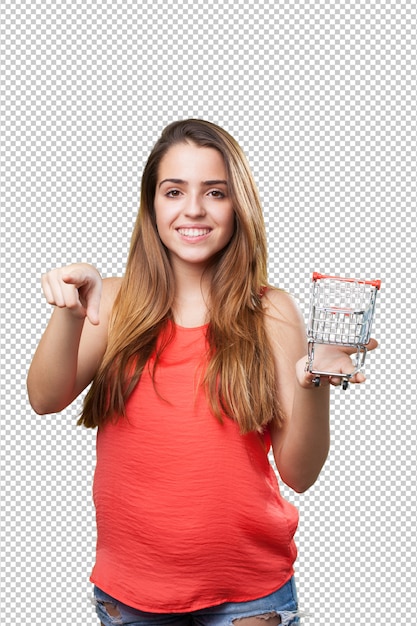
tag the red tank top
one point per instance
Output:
(189, 512)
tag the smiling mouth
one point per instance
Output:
(194, 232)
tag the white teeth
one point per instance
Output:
(193, 232)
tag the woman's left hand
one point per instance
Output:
(331, 358)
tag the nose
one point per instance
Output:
(195, 206)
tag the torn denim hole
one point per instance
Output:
(111, 611)
(287, 617)
(269, 617)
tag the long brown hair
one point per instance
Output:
(239, 377)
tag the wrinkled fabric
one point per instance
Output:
(189, 512)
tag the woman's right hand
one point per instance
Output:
(76, 287)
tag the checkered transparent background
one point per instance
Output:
(321, 96)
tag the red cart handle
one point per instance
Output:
(374, 283)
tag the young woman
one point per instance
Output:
(197, 368)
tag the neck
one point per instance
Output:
(192, 290)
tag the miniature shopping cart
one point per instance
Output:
(341, 313)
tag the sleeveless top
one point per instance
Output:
(189, 512)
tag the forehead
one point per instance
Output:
(189, 161)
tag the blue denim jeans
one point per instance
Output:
(282, 603)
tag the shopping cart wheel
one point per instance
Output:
(345, 385)
(316, 381)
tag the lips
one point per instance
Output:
(193, 232)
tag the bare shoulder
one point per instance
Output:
(286, 331)
(281, 307)
(284, 323)
(111, 287)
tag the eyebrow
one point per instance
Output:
(180, 181)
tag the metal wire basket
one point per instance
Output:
(341, 313)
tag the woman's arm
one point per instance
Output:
(301, 444)
(73, 344)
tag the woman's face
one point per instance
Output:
(194, 212)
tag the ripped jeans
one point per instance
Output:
(280, 607)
